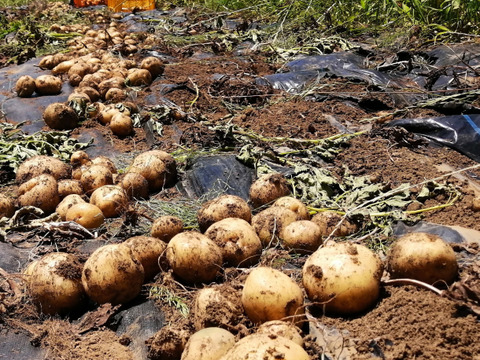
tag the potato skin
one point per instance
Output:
(154, 65)
(48, 85)
(269, 223)
(281, 328)
(112, 274)
(135, 185)
(422, 256)
(295, 205)
(166, 227)
(41, 192)
(328, 220)
(302, 236)
(111, 199)
(65, 205)
(208, 344)
(267, 188)
(85, 214)
(67, 187)
(25, 86)
(59, 116)
(7, 206)
(344, 277)
(148, 251)
(121, 125)
(95, 177)
(152, 169)
(139, 77)
(41, 164)
(222, 207)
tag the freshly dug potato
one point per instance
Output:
(105, 161)
(281, 328)
(166, 227)
(25, 86)
(343, 277)
(269, 223)
(154, 65)
(67, 187)
(268, 188)
(41, 192)
(208, 344)
(115, 95)
(148, 251)
(269, 294)
(48, 85)
(219, 305)
(328, 220)
(295, 205)
(80, 98)
(193, 257)
(121, 125)
(29, 269)
(92, 93)
(95, 177)
(55, 283)
(79, 158)
(168, 343)
(266, 347)
(7, 206)
(138, 77)
(41, 164)
(111, 199)
(85, 214)
(67, 203)
(222, 207)
(63, 67)
(135, 185)
(93, 111)
(422, 256)
(238, 241)
(59, 116)
(170, 164)
(302, 237)
(152, 169)
(47, 63)
(112, 274)
(114, 82)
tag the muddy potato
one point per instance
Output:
(78, 98)
(121, 125)
(113, 275)
(105, 161)
(166, 227)
(154, 65)
(269, 294)
(107, 114)
(65, 205)
(7, 206)
(302, 237)
(265, 347)
(63, 67)
(193, 257)
(281, 328)
(168, 343)
(48, 85)
(68, 187)
(114, 82)
(55, 283)
(218, 305)
(422, 256)
(85, 214)
(295, 205)
(148, 251)
(92, 111)
(343, 278)
(59, 116)
(41, 192)
(269, 223)
(208, 344)
(152, 169)
(94, 177)
(41, 164)
(25, 86)
(170, 163)
(47, 63)
(328, 220)
(111, 199)
(79, 157)
(268, 188)
(115, 95)
(138, 77)
(238, 241)
(135, 185)
(222, 207)
(92, 94)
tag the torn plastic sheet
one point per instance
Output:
(460, 132)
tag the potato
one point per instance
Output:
(268, 188)
(115, 95)
(48, 85)
(94, 177)
(166, 227)
(148, 251)
(138, 77)
(193, 257)
(422, 256)
(63, 67)
(135, 185)
(114, 82)
(269, 223)
(77, 72)
(269, 294)
(47, 63)
(152, 169)
(343, 277)
(7, 206)
(170, 163)
(59, 116)
(55, 283)
(265, 347)
(79, 98)
(237, 240)
(295, 205)
(168, 343)
(92, 93)
(208, 344)
(41, 192)
(121, 125)
(107, 114)
(111, 199)
(85, 214)
(219, 305)
(79, 157)
(67, 187)
(25, 86)
(105, 161)
(41, 164)
(67, 203)
(93, 110)
(222, 207)
(328, 220)
(154, 65)
(113, 275)
(302, 237)
(281, 328)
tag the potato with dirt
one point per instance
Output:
(148, 250)
(332, 223)
(138, 77)
(65, 205)
(94, 177)
(343, 278)
(48, 85)
(152, 168)
(111, 199)
(69, 186)
(269, 223)
(301, 237)
(422, 256)
(168, 343)
(25, 86)
(59, 116)
(85, 214)
(135, 185)
(281, 328)
(42, 164)
(208, 344)
(166, 227)
(113, 275)
(7, 206)
(269, 294)
(295, 205)
(154, 65)
(41, 192)
(222, 207)
(121, 125)
(268, 188)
